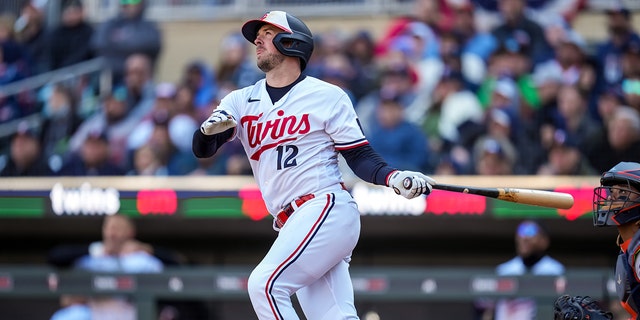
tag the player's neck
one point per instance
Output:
(283, 75)
(627, 231)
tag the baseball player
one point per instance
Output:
(292, 127)
(616, 202)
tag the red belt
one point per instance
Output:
(288, 210)
(284, 214)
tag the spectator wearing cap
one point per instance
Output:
(140, 85)
(608, 54)
(359, 49)
(476, 44)
(112, 119)
(504, 125)
(574, 118)
(532, 243)
(92, 159)
(200, 78)
(30, 30)
(70, 42)
(127, 33)
(432, 68)
(338, 71)
(517, 27)
(163, 107)
(24, 159)
(493, 156)
(177, 161)
(452, 107)
(564, 157)
(607, 102)
(500, 122)
(512, 65)
(569, 66)
(400, 142)
(398, 78)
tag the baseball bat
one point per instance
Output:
(550, 199)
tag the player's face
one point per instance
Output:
(616, 197)
(115, 231)
(268, 57)
(621, 193)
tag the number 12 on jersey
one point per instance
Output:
(286, 156)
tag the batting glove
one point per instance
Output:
(218, 121)
(410, 184)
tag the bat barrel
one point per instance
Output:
(541, 198)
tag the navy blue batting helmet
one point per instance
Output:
(295, 41)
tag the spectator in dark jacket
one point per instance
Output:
(24, 156)
(30, 30)
(70, 42)
(92, 159)
(128, 33)
(622, 42)
(518, 30)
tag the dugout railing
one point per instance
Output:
(375, 285)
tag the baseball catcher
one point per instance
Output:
(616, 202)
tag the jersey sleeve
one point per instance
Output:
(343, 125)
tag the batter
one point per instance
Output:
(292, 127)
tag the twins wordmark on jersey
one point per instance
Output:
(278, 131)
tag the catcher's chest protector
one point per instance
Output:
(627, 287)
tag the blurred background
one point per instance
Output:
(99, 100)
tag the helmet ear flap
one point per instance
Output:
(294, 45)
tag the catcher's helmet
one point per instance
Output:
(613, 206)
(295, 41)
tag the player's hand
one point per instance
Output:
(410, 184)
(578, 308)
(218, 121)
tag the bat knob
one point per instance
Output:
(407, 183)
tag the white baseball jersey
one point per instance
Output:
(292, 144)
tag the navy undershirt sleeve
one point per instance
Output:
(204, 146)
(367, 164)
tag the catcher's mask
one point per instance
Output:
(617, 200)
(296, 39)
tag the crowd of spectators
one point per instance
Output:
(436, 93)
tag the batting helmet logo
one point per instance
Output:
(295, 41)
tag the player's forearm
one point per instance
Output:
(204, 146)
(368, 165)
